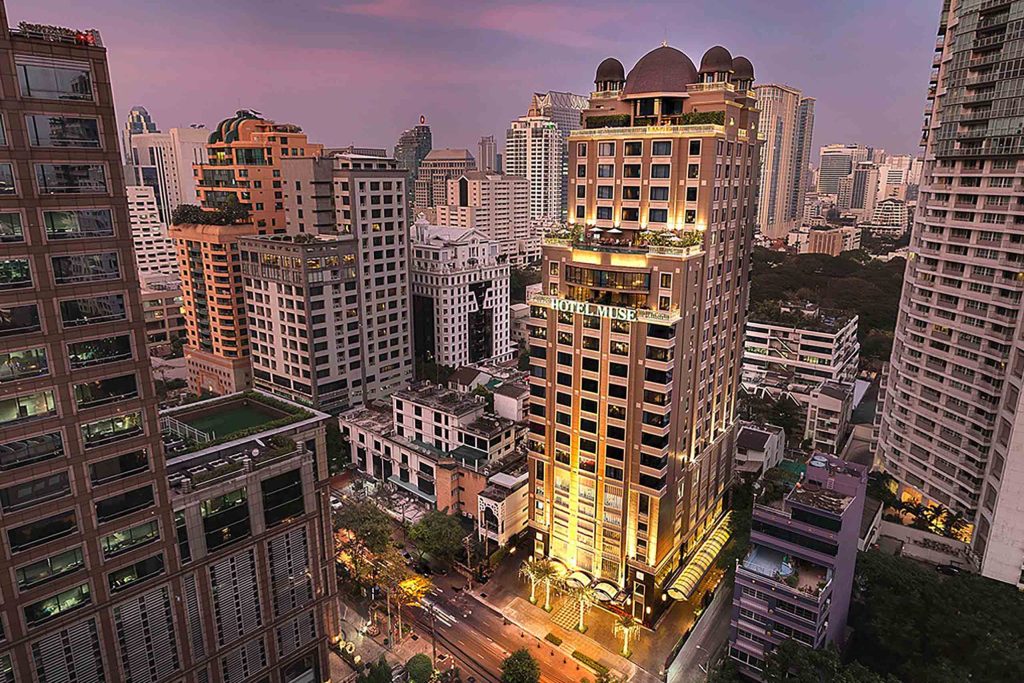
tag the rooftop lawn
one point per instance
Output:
(220, 421)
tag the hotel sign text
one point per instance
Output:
(641, 315)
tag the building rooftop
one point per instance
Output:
(755, 437)
(440, 399)
(448, 154)
(489, 425)
(799, 315)
(512, 390)
(465, 375)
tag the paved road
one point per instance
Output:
(706, 643)
(480, 639)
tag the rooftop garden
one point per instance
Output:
(579, 234)
(231, 418)
(771, 312)
(230, 214)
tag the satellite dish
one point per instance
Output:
(255, 452)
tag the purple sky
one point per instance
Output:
(361, 71)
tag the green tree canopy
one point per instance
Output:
(438, 535)
(370, 528)
(792, 662)
(420, 668)
(377, 672)
(520, 667)
(232, 212)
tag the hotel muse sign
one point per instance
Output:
(641, 315)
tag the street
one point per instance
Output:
(706, 643)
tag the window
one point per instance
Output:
(54, 82)
(124, 503)
(21, 364)
(135, 536)
(691, 194)
(7, 186)
(604, 213)
(42, 530)
(225, 519)
(630, 214)
(100, 309)
(50, 568)
(605, 191)
(29, 493)
(15, 454)
(661, 148)
(581, 149)
(98, 351)
(39, 404)
(631, 192)
(103, 391)
(3, 132)
(605, 171)
(657, 215)
(282, 498)
(581, 212)
(693, 171)
(581, 170)
(660, 170)
(11, 229)
(54, 606)
(71, 178)
(62, 131)
(633, 149)
(15, 273)
(694, 147)
(118, 467)
(659, 194)
(606, 149)
(76, 224)
(133, 573)
(85, 268)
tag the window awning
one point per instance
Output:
(684, 585)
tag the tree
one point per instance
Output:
(520, 667)
(362, 535)
(530, 570)
(585, 597)
(419, 668)
(378, 672)
(231, 213)
(519, 279)
(547, 574)
(338, 450)
(792, 662)
(438, 535)
(626, 626)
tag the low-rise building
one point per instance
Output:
(828, 417)
(502, 507)
(519, 317)
(460, 296)
(796, 579)
(511, 399)
(759, 447)
(832, 240)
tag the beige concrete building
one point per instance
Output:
(163, 161)
(533, 150)
(437, 168)
(635, 343)
(832, 240)
(952, 427)
(787, 122)
(163, 310)
(497, 206)
(154, 249)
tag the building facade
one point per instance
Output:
(412, 147)
(564, 110)
(787, 122)
(796, 579)
(952, 427)
(533, 150)
(217, 353)
(460, 296)
(243, 163)
(836, 162)
(832, 240)
(154, 249)
(487, 155)
(363, 198)
(139, 121)
(163, 309)
(636, 342)
(163, 161)
(498, 206)
(436, 169)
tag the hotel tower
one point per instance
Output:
(636, 339)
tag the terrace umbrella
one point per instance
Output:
(596, 230)
(614, 231)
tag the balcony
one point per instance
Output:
(806, 578)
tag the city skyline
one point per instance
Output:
(297, 70)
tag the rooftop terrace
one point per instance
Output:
(805, 577)
(441, 399)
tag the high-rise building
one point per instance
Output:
(304, 358)
(217, 352)
(533, 150)
(636, 342)
(564, 109)
(436, 169)
(795, 581)
(244, 155)
(362, 197)
(164, 162)
(411, 149)
(835, 163)
(952, 426)
(154, 249)
(498, 206)
(787, 122)
(460, 296)
(487, 156)
(139, 121)
(163, 311)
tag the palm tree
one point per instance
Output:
(547, 574)
(530, 569)
(585, 597)
(627, 626)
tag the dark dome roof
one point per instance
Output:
(610, 69)
(227, 130)
(664, 69)
(742, 69)
(715, 60)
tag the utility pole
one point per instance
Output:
(467, 543)
(433, 632)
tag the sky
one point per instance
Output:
(361, 71)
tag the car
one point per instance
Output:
(948, 569)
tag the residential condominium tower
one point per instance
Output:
(787, 122)
(154, 250)
(411, 149)
(436, 169)
(636, 340)
(163, 161)
(564, 109)
(533, 150)
(499, 207)
(460, 295)
(952, 426)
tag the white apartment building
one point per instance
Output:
(759, 447)
(497, 206)
(460, 296)
(164, 161)
(503, 507)
(565, 110)
(359, 197)
(533, 150)
(891, 217)
(797, 346)
(155, 253)
(952, 426)
(827, 426)
(436, 169)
